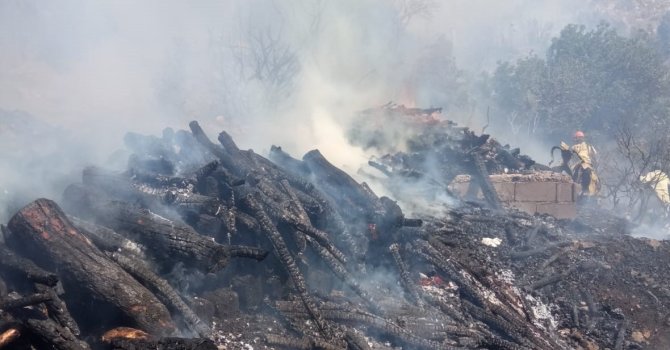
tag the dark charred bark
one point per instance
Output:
(449, 310)
(119, 186)
(621, 336)
(205, 171)
(158, 181)
(385, 326)
(239, 251)
(163, 344)
(410, 286)
(185, 201)
(227, 142)
(246, 223)
(43, 227)
(9, 304)
(495, 322)
(53, 335)
(163, 291)
(341, 186)
(9, 261)
(105, 238)
(436, 258)
(288, 163)
(498, 343)
(341, 272)
(296, 218)
(225, 158)
(299, 343)
(355, 341)
(316, 203)
(289, 264)
(482, 175)
(553, 278)
(170, 240)
(58, 310)
(530, 252)
(150, 192)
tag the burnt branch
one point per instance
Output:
(163, 291)
(289, 264)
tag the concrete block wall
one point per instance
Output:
(550, 197)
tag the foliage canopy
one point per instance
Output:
(592, 80)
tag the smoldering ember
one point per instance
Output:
(202, 245)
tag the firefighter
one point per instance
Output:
(659, 181)
(584, 172)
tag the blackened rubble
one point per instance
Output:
(420, 147)
(199, 245)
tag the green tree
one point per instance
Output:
(519, 91)
(598, 79)
(591, 80)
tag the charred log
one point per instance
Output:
(58, 310)
(105, 238)
(482, 175)
(9, 304)
(288, 262)
(170, 239)
(551, 279)
(407, 282)
(225, 158)
(385, 326)
(530, 252)
(162, 344)
(341, 272)
(10, 261)
(299, 221)
(163, 291)
(246, 223)
(341, 186)
(55, 336)
(355, 341)
(299, 343)
(120, 186)
(621, 336)
(284, 160)
(43, 227)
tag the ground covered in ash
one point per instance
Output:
(202, 245)
(594, 286)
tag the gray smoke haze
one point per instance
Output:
(75, 75)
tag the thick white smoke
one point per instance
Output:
(75, 74)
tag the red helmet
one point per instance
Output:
(579, 134)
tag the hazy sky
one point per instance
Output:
(97, 69)
(115, 62)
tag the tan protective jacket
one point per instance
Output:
(586, 153)
(659, 181)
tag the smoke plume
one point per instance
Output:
(76, 75)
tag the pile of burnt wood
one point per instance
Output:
(121, 263)
(426, 150)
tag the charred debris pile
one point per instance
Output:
(202, 245)
(420, 147)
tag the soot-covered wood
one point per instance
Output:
(170, 240)
(43, 229)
